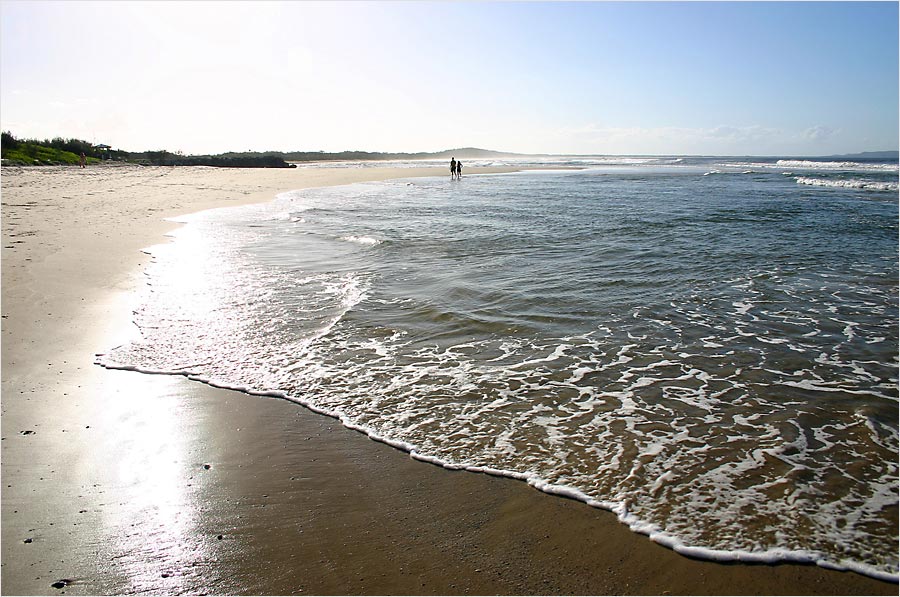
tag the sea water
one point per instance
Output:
(706, 347)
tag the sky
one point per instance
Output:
(690, 78)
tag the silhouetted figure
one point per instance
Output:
(452, 168)
(83, 159)
(458, 170)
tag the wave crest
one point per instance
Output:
(814, 165)
(850, 183)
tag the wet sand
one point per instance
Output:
(116, 482)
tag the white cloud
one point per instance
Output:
(819, 133)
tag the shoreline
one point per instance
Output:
(359, 517)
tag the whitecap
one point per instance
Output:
(852, 183)
(814, 165)
(362, 240)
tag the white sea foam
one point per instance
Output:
(867, 185)
(815, 165)
(743, 170)
(362, 240)
(811, 165)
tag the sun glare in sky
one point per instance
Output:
(771, 78)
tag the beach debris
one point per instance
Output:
(220, 537)
(207, 466)
(29, 540)
(28, 432)
(62, 583)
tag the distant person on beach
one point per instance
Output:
(83, 159)
(458, 170)
(452, 168)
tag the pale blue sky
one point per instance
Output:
(737, 78)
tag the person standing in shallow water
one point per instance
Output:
(458, 170)
(452, 168)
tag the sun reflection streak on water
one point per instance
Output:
(158, 514)
(155, 510)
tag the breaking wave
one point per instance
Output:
(867, 185)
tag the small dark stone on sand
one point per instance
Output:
(207, 466)
(220, 537)
(29, 540)
(62, 583)
(27, 432)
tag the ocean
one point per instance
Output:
(707, 347)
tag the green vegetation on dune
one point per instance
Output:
(36, 155)
(33, 153)
(165, 158)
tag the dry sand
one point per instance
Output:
(116, 482)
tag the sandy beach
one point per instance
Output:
(117, 483)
